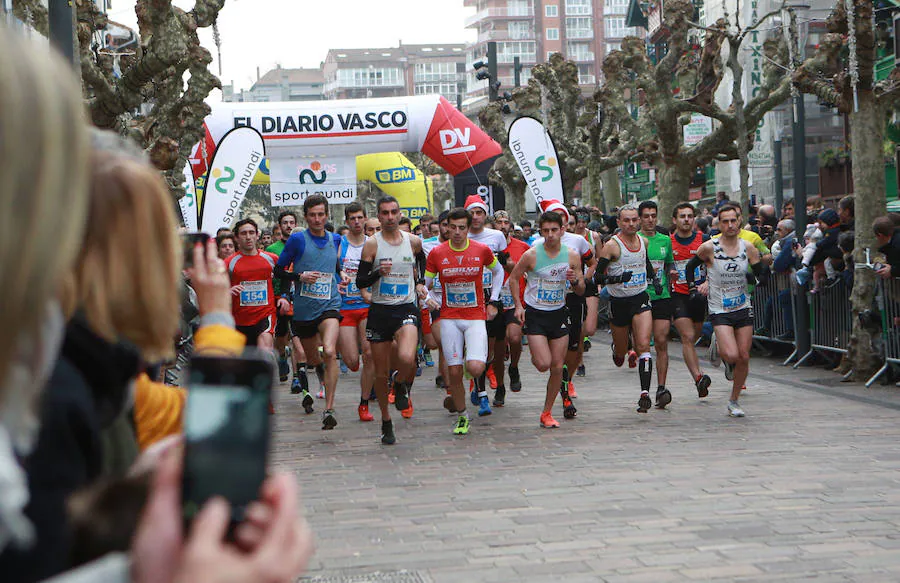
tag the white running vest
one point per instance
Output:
(633, 261)
(398, 287)
(545, 285)
(727, 277)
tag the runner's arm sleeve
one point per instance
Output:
(421, 260)
(285, 275)
(497, 283)
(760, 272)
(600, 276)
(367, 274)
(292, 251)
(690, 269)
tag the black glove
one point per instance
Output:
(657, 286)
(751, 279)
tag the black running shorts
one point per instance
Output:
(738, 319)
(553, 324)
(384, 321)
(625, 309)
(252, 333)
(662, 308)
(685, 307)
(304, 329)
(283, 325)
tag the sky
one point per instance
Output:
(298, 33)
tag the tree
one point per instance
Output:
(683, 82)
(841, 73)
(119, 89)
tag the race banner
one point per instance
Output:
(231, 172)
(396, 176)
(293, 180)
(535, 154)
(188, 202)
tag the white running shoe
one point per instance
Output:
(734, 410)
(713, 352)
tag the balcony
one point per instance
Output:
(499, 13)
(587, 79)
(439, 78)
(490, 35)
(579, 33)
(582, 57)
(524, 58)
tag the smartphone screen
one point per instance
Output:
(189, 241)
(226, 429)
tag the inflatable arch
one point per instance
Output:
(341, 129)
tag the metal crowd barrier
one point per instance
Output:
(830, 317)
(887, 298)
(773, 311)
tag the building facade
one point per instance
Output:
(281, 84)
(533, 30)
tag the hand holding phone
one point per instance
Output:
(189, 242)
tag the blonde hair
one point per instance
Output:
(129, 274)
(44, 151)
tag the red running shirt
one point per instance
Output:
(257, 300)
(682, 254)
(461, 274)
(516, 248)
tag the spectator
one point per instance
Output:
(846, 213)
(702, 225)
(888, 237)
(527, 233)
(721, 200)
(225, 245)
(265, 238)
(787, 209)
(823, 246)
(782, 248)
(766, 222)
(785, 259)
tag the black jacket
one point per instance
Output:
(892, 253)
(86, 392)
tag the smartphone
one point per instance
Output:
(189, 241)
(226, 432)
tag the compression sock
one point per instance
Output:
(645, 370)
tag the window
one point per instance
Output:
(615, 6)
(579, 27)
(615, 27)
(448, 90)
(370, 77)
(520, 30)
(551, 11)
(435, 72)
(579, 51)
(552, 34)
(610, 47)
(578, 7)
(549, 54)
(519, 8)
(525, 50)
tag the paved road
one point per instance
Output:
(805, 487)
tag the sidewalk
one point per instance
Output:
(804, 487)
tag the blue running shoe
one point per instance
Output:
(484, 407)
(429, 362)
(473, 396)
(284, 370)
(418, 371)
(344, 369)
(296, 389)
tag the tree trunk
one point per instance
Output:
(612, 192)
(674, 186)
(515, 202)
(866, 137)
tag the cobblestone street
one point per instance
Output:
(803, 488)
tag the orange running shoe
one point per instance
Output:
(632, 359)
(391, 396)
(492, 378)
(572, 393)
(407, 413)
(364, 414)
(547, 421)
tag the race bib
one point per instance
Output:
(437, 284)
(551, 293)
(487, 279)
(352, 288)
(255, 293)
(733, 299)
(320, 289)
(658, 265)
(461, 295)
(506, 297)
(637, 280)
(681, 266)
(394, 286)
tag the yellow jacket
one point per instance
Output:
(158, 407)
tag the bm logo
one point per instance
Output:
(416, 212)
(389, 175)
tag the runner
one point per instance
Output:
(592, 293)
(689, 311)
(659, 252)
(287, 222)
(625, 268)
(731, 264)
(225, 245)
(355, 308)
(549, 267)
(575, 303)
(496, 242)
(372, 227)
(460, 263)
(253, 299)
(397, 284)
(435, 298)
(314, 256)
(516, 249)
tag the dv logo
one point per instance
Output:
(310, 173)
(456, 141)
(547, 168)
(222, 180)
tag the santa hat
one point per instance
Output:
(474, 201)
(553, 205)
